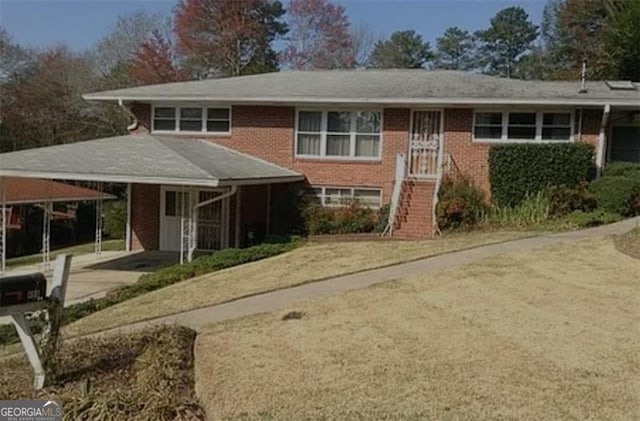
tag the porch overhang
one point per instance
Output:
(145, 159)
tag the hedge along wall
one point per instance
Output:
(518, 170)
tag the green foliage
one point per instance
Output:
(152, 281)
(520, 170)
(622, 39)
(115, 219)
(532, 211)
(510, 35)
(594, 218)
(460, 204)
(350, 219)
(564, 199)
(455, 50)
(616, 193)
(383, 218)
(625, 169)
(403, 50)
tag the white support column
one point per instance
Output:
(602, 138)
(98, 240)
(3, 228)
(47, 211)
(128, 228)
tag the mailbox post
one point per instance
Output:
(27, 293)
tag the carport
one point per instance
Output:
(16, 191)
(195, 179)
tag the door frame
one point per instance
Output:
(610, 136)
(193, 197)
(441, 146)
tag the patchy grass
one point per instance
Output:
(108, 245)
(549, 334)
(308, 263)
(629, 243)
(145, 376)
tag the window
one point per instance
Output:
(488, 126)
(173, 201)
(341, 196)
(192, 120)
(523, 126)
(556, 126)
(340, 134)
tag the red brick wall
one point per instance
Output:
(591, 121)
(145, 217)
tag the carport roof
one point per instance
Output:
(143, 158)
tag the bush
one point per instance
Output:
(164, 277)
(617, 194)
(460, 204)
(564, 199)
(625, 169)
(594, 218)
(520, 170)
(350, 219)
(115, 219)
(533, 210)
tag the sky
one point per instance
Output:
(81, 23)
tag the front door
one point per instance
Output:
(625, 144)
(425, 142)
(174, 203)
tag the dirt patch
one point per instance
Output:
(548, 334)
(629, 243)
(146, 376)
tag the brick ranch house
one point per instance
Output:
(205, 159)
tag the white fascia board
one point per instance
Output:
(355, 101)
(109, 178)
(259, 181)
(59, 200)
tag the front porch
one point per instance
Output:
(183, 195)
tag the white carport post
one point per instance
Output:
(3, 228)
(187, 225)
(602, 138)
(47, 211)
(98, 241)
(127, 234)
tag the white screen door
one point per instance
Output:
(171, 203)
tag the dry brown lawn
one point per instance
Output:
(309, 263)
(551, 334)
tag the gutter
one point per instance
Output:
(134, 123)
(602, 139)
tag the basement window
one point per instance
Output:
(343, 196)
(192, 120)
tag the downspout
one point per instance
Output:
(134, 123)
(601, 140)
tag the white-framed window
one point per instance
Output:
(523, 126)
(339, 134)
(191, 119)
(341, 196)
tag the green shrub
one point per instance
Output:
(625, 169)
(164, 277)
(520, 170)
(564, 199)
(115, 219)
(349, 219)
(593, 218)
(383, 218)
(532, 211)
(460, 204)
(617, 194)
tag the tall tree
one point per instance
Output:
(13, 57)
(510, 36)
(228, 37)
(155, 62)
(622, 39)
(403, 50)
(455, 50)
(320, 36)
(362, 41)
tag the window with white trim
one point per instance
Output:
(523, 126)
(342, 196)
(192, 119)
(339, 134)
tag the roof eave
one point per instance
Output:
(379, 101)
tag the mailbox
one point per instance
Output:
(22, 289)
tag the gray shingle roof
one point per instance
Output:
(376, 86)
(144, 158)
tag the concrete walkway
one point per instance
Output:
(284, 298)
